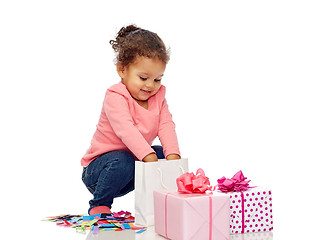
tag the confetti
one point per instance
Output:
(95, 230)
(117, 221)
(140, 231)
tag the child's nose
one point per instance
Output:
(149, 84)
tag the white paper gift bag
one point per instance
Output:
(150, 176)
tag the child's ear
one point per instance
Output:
(120, 70)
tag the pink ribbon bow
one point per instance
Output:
(235, 184)
(191, 183)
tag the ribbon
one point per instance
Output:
(166, 215)
(194, 183)
(235, 184)
(210, 217)
(242, 198)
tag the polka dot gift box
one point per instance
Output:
(251, 211)
(250, 207)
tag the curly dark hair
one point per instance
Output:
(132, 41)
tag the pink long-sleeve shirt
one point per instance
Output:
(125, 125)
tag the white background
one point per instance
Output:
(244, 85)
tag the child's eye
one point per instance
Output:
(143, 78)
(158, 80)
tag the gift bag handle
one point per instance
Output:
(160, 171)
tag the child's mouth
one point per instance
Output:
(146, 92)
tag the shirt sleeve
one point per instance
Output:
(167, 133)
(117, 111)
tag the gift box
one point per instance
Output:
(251, 207)
(180, 216)
(251, 211)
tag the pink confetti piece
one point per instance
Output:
(95, 230)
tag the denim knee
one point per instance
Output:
(123, 163)
(126, 162)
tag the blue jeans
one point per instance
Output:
(111, 175)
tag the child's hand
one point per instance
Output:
(150, 158)
(173, 157)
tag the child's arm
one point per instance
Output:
(167, 134)
(118, 114)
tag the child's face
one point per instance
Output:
(143, 77)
